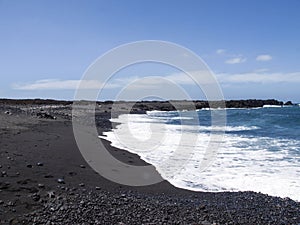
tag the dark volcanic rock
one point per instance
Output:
(45, 115)
(135, 208)
(288, 103)
(251, 103)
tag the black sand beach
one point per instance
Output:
(45, 180)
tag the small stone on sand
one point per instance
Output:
(61, 180)
(41, 185)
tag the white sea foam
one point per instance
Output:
(243, 163)
(272, 106)
(210, 109)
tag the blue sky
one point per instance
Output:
(253, 47)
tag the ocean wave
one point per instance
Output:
(243, 162)
(272, 106)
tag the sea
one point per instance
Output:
(257, 149)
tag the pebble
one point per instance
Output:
(81, 184)
(48, 176)
(41, 185)
(36, 197)
(72, 173)
(51, 194)
(201, 207)
(39, 164)
(60, 180)
(10, 203)
(82, 166)
(94, 207)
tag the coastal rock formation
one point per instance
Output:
(288, 103)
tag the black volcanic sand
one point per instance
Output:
(45, 180)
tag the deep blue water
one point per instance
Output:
(274, 122)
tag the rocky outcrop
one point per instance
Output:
(288, 103)
(251, 103)
(143, 106)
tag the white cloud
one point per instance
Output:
(261, 70)
(220, 51)
(254, 77)
(263, 58)
(236, 60)
(162, 82)
(187, 79)
(153, 82)
(54, 84)
(148, 83)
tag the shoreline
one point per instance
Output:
(116, 144)
(28, 139)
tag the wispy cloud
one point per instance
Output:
(257, 77)
(187, 79)
(263, 58)
(261, 70)
(55, 84)
(231, 58)
(236, 60)
(220, 51)
(239, 58)
(154, 82)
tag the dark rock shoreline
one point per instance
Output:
(45, 180)
(154, 105)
